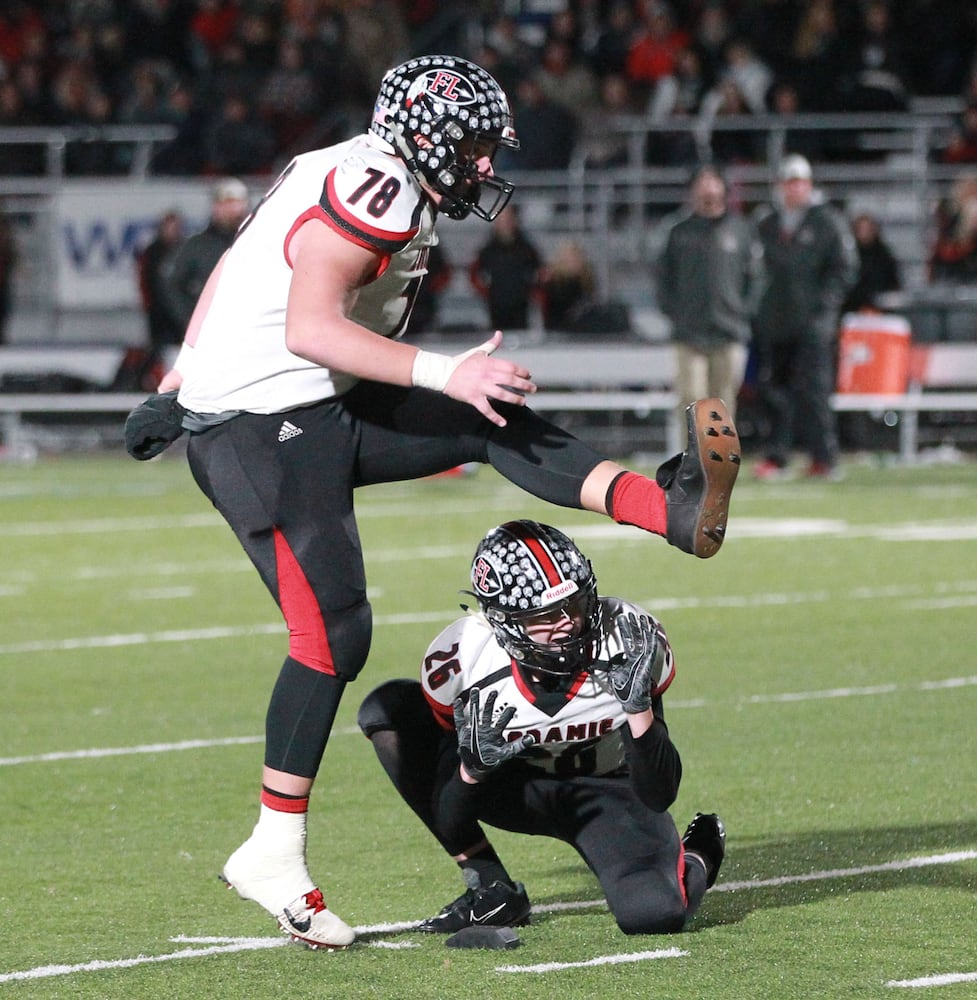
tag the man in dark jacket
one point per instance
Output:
(193, 262)
(810, 260)
(709, 278)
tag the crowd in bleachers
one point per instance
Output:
(246, 83)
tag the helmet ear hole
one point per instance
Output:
(454, 132)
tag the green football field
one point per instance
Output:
(825, 706)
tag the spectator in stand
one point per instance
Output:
(566, 79)
(610, 50)
(878, 269)
(678, 95)
(713, 32)
(710, 275)
(153, 267)
(751, 75)
(602, 142)
(505, 272)
(8, 263)
(567, 287)
(657, 42)
(376, 38)
(876, 76)
(547, 134)
(953, 258)
(237, 140)
(211, 27)
(809, 256)
(809, 142)
(424, 313)
(962, 145)
(733, 145)
(199, 254)
(289, 98)
(818, 56)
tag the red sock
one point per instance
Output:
(637, 500)
(284, 803)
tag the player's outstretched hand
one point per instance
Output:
(479, 378)
(636, 670)
(482, 745)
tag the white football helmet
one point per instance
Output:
(441, 114)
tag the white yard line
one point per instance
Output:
(637, 956)
(919, 597)
(945, 684)
(941, 979)
(223, 945)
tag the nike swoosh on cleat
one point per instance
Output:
(484, 916)
(299, 925)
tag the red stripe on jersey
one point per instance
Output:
(378, 239)
(443, 714)
(313, 213)
(317, 213)
(307, 639)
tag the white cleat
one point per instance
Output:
(310, 922)
(279, 882)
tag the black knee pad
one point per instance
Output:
(349, 632)
(387, 706)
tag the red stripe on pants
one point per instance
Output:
(307, 639)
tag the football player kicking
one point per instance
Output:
(297, 390)
(542, 714)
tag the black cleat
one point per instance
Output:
(496, 905)
(698, 483)
(706, 837)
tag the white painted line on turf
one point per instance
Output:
(954, 857)
(638, 956)
(221, 945)
(917, 592)
(942, 979)
(949, 683)
(96, 752)
(47, 971)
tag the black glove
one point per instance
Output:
(154, 425)
(635, 672)
(482, 745)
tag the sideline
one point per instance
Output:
(223, 946)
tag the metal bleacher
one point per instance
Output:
(617, 214)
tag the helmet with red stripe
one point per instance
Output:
(443, 115)
(524, 573)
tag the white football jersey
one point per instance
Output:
(239, 360)
(577, 731)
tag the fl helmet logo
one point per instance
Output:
(442, 85)
(484, 578)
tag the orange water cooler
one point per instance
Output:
(873, 353)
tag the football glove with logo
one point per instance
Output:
(636, 671)
(482, 745)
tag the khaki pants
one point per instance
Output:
(716, 372)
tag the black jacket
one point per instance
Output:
(809, 272)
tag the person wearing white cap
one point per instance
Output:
(811, 263)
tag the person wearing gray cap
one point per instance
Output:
(811, 263)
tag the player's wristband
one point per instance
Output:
(432, 371)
